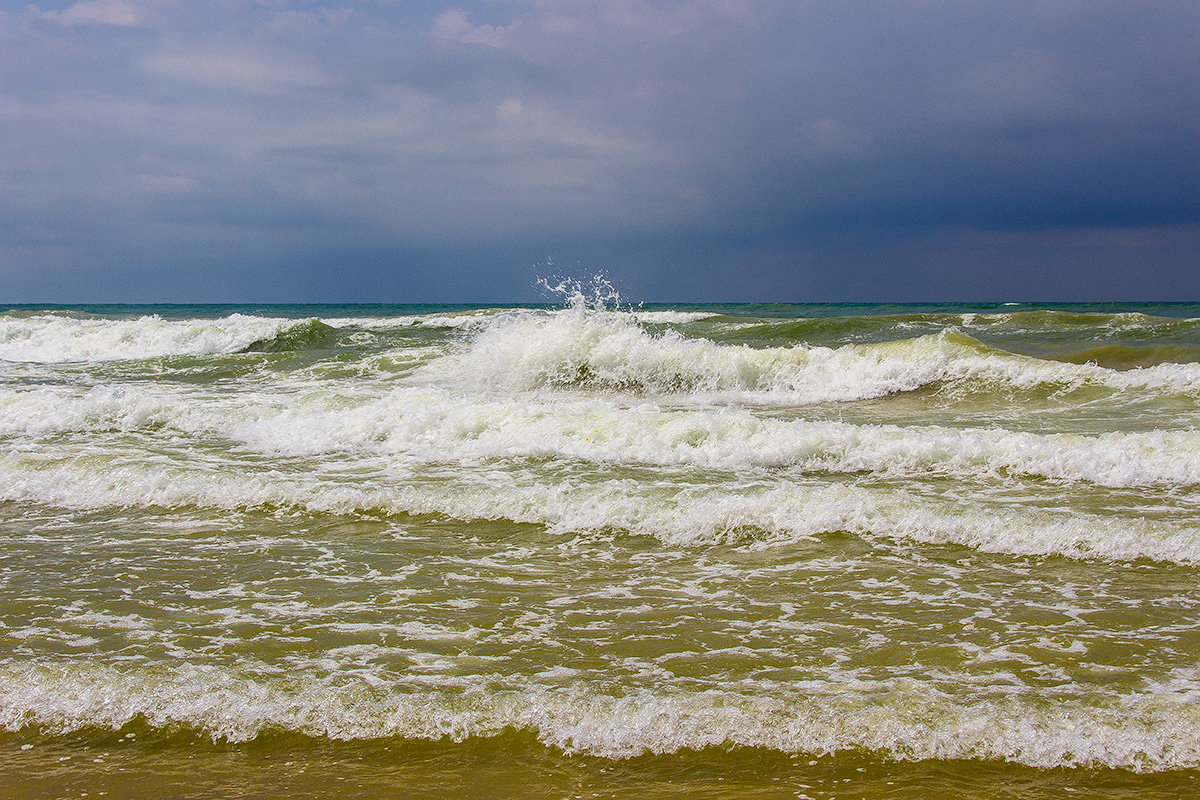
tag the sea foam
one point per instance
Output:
(55, 338)
(770, 513)
(425, 424)
(581, 349)
(902, 720)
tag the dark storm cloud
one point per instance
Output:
(708, 149)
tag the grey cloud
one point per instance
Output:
(747, 132)
(97, 12)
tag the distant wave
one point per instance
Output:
(55, 338)
(768, 361)
(586, 350)
(52, 338)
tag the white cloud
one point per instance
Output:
(542, 25)
(97, 12)
(451, 24)
(235, 72)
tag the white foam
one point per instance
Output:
(667, 317)
(426, 424)
(576, 348)
(46, 410)
(54, 338)
(471, 319)
(900, 719)
(771, 513)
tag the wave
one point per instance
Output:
(1124, 356)
(53, 338)
(424, 425)
(1129, 323)
(780, 332)
(56, 338)
(577, 349)
(587, 349)
(470, 319)
(765, 512)
(900, 719)
(1042, 324)
(310, 334)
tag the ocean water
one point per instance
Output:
(600, 550)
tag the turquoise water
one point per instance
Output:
(711, 551)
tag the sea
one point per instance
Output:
(597, 549)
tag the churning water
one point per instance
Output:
(704, 551)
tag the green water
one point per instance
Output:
(721, 551)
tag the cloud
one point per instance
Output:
(97, 12)
(246, 73)
(769, 128)
(831, 138)
(451, 24)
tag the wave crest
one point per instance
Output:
(900, 719)
(588, 350)
(56, 338)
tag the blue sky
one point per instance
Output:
(228, 150)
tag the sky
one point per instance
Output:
(698, 150)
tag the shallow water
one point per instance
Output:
(719, 551)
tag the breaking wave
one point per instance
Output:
(56, 338)
(905, 720)
(768, 512)
(426, 425)
(587, 349)
(309, 334)
(580, 349)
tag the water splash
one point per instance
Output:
(593, 292)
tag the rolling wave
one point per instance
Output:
(311, 334)
(903, 720)
(425, 425)
(769, 512)
(576, 348)
(592, 351)
(55, 338)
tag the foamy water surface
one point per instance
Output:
(955, 535)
